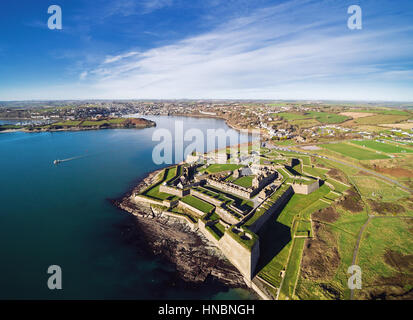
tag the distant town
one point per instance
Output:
(298, 122)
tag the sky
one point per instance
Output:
(206, 49)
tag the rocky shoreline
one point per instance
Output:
(196, 259)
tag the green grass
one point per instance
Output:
(303, 228)
(315, 172)
(293, 267)
(211, 217)
(216, 233)
(215, 195)
(353, 152)
(242, 204)
(291, 116)
(217, 230)
(198, 203)
(91, 123)
(381, 119)
(300, 203)
(176, 210)
(153, 191)
(323, 117)
(9, 127)
(326, 117)
(383, 147)
(117, 120)
(332, 196)
(304, 123)
(374, 188)
(384, 111)
(313, 207)
(247, 243)
(267, 204)
(345, 231)
(245, 181)
(271, 272)
(284, 142)
(68, 123)
(338, 186)
(380, 235)
(214, 168)
(306, 160)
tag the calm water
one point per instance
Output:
(61, 215)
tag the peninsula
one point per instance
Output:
(82, 124)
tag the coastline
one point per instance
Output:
(196, 260)
(207, 116)
(128, 124)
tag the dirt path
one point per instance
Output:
(356, 249)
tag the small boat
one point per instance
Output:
(56, 162)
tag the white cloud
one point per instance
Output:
(83, 75)
(289, 51)
(111, 59)
(256, 57)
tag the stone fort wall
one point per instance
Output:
(306, 188)
(281, 201)
(174, 191)
(244, 259)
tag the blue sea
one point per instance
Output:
(61, 215)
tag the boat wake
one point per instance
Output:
(57, 161)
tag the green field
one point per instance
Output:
(300, 206)
(245, 181)
(326, 117)
(198, 203)
(338, 186)
(213, 194)
(343, 236)
(68, 123)
(262, 209)
(214, 168)
(271, 271)
(304, 123)
(292, 271)
(383, 147)
(9, 127)
(353, 152)
(153, 191)
(238, 202)
(374, 188)
(300, 203)
(384, 111)
(290, 116)
(323, 117)
(91, 123)
(381, 119)
(314, 172)
(381, 236)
